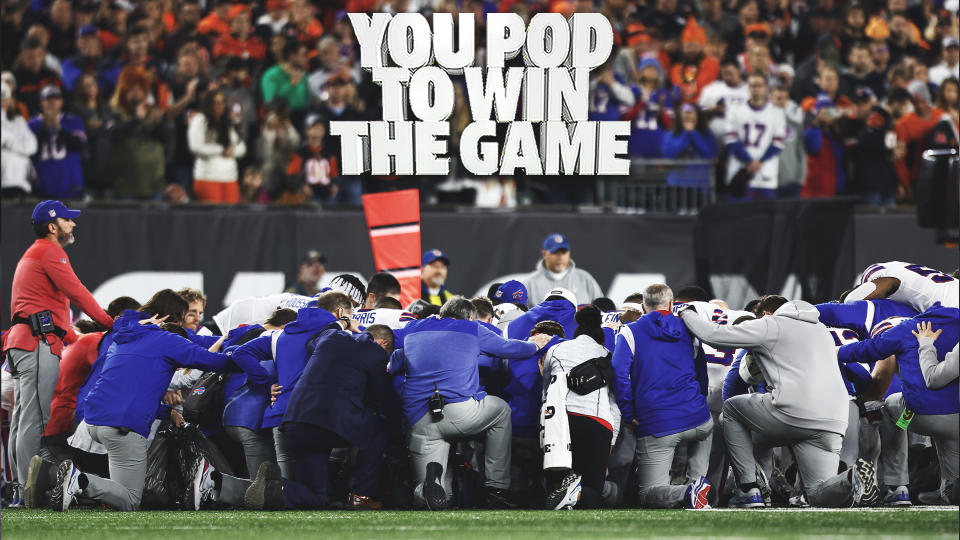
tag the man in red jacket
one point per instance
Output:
(44, 284)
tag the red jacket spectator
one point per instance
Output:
(74, 368)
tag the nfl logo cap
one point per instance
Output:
(554, 242)
(562, 293)
(432, 255)
(48, 211)
(512, 291)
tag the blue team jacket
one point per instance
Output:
(293, 350)
(126, 318)
(245, 403)
(656, 383)
(137, 370)
(560, 311)
(901, 342)
(444, 352)
(861, 316)
(524, 393)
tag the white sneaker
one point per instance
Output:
(67, 486)
(749, 499)
(567, 495)
(203, 487)
(897, 497)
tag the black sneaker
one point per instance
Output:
(266, 491)
(499, 499)
(38, 482)
(870, 491)
(433, 492)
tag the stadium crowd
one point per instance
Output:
(542, 393)
(227, 102)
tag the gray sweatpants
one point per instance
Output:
(127, 459)
(256, 448)
(944, 429)
(284, 460)
(817, 452)
(655, 456)
(36, 375)
(430, 441)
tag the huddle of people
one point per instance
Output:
(345, 400)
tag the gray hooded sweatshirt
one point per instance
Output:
(575, 280)
(798, 359)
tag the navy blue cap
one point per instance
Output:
(512, 291)
(48, 211)
(432, 255)
(554, 242)
(87, 30)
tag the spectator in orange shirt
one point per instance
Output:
(696, 69)
(309, 28)
(216, 22)
(240, 42)
(913, 131)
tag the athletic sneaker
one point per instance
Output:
(16, 497)
(567, 495)
(38, 482)
(750, 499)
(266, 491)
(781, 491)
(798, 501)
(764, 485)
(433, 492)
(897, 497)
(869, 491)
(202, 486)
(696, 495)
(67, 486)
(931, 498)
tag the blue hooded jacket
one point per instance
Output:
(901, 342)
(245, 403)
(137, 371)
(560, 311)
(293, 350)
(524, 392)
(128, 317)
(861, 316)
(656, 376)
(442, 353)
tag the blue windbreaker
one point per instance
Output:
(656, 379)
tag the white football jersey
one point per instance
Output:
(757, 130)
(718, 91)
(257, 309)
(920, 287)
(718, 360)
(394, 318)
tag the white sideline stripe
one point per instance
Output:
(389, 231)
(406, 273)
(879, 510)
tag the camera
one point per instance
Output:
(436, 404)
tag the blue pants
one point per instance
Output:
(310, 446)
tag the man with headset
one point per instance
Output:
(44, 285)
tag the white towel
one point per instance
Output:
(554, 427)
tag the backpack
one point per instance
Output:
(591, 375)
(204, 404)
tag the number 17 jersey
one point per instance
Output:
(757, 129)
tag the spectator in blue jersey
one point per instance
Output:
(123, 404)
(690, 139)
(652, 114)
(62, 141)
(935, 413)
(661, 402)
(450, 382)
(89, 59)
(611, 96)
(290, 352)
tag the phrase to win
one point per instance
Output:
(413, 63)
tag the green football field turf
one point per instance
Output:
(83, 524)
